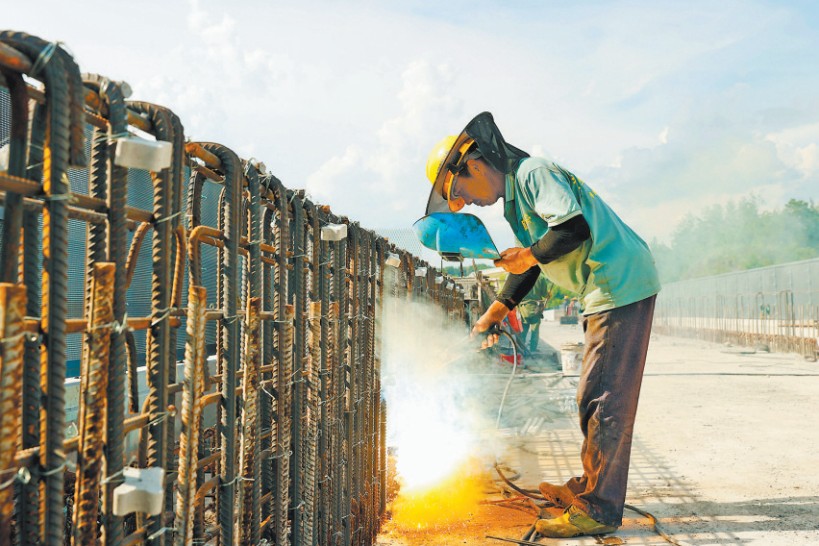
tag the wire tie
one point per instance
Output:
(161, 532)
(267, 392)
(230, 320)
(29, 336)
(21, 475)
(116, 327)
(44, 57)
(55, 470)
(238, 478)
(113, 477)
(165, 219)
(57, 197)
(159, 418)
(163, 314)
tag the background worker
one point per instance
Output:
(567, 232)
(531, 313)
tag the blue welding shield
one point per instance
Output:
(456, 236)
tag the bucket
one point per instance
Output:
(571, 358)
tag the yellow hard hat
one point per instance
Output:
(438, 155)
(448, 154)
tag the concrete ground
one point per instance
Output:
(726, 447)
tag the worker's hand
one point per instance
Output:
(496, 313)
(516, 260)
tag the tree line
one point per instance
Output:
(738, 236)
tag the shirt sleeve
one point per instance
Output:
(517, 286)
(550, 196)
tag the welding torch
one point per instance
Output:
(475, 342)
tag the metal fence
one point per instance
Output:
(776, 306)
(271, 427)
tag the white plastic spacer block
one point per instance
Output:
(439, 279)
(334, 232)
(139, 153)
(393, 260)
(421, 272)
(4, 157)
(142, 491)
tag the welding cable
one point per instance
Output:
(511, 376)
(506, 480)
(655, 524)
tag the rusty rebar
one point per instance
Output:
(250, 425)
(93, 403)
(194, 386)
(12, 338)
(298, 325)
(284, 418)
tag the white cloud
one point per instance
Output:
(797, 148)
(659, 107)
(388, 164)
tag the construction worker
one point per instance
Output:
(567, 232)
(531, 313)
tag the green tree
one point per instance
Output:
(738, 236)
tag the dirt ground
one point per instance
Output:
(726, 448)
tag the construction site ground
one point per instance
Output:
(726, 448)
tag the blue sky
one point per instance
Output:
(663, 108)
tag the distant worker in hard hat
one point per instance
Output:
(531, 314)
(570, 235)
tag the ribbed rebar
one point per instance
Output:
(28, 506)
(300, 286)
(158, 358)
(340, 291)
(249, 448)
(311, 417)
(194, 387)
(93, 403)
(267, 444)
(251, 465)
(229, 341)
(299, 450)
(12, 312)
(117, 197)
(55, 272)
(284, 443)
(280, 433)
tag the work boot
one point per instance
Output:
(559, 495)
(574, 522)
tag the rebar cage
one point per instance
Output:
(202, 322)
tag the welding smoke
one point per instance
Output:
(436, 422)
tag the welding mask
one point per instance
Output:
(450, 155)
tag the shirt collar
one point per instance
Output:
(509, 194)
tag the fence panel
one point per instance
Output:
(776, 307)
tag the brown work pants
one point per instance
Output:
(613, 363)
